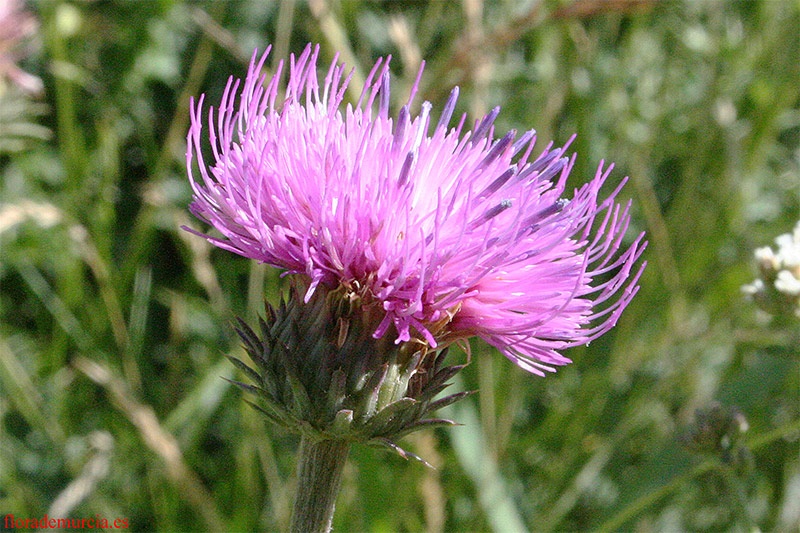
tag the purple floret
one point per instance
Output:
(454, 233)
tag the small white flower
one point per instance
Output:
(753, 288)
(787, 283)
(778, 288)
(788, 251)
(766, 259)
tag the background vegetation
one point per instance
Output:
(115, 322)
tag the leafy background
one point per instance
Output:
(115, 322)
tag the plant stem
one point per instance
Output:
(319, 476)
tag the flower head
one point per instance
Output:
(452, 233)
(777, 290)
(16, 25)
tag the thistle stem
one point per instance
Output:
(319, 476)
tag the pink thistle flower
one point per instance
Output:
(455, 234)
(16, 25)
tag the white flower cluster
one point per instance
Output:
(777, 290)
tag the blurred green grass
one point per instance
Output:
(115, 322)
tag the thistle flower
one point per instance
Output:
(452, 234)
(405, 237)
(16, 25)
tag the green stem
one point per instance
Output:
(319, 476)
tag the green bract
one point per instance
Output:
(319, 372)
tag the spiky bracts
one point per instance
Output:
(319, 371)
